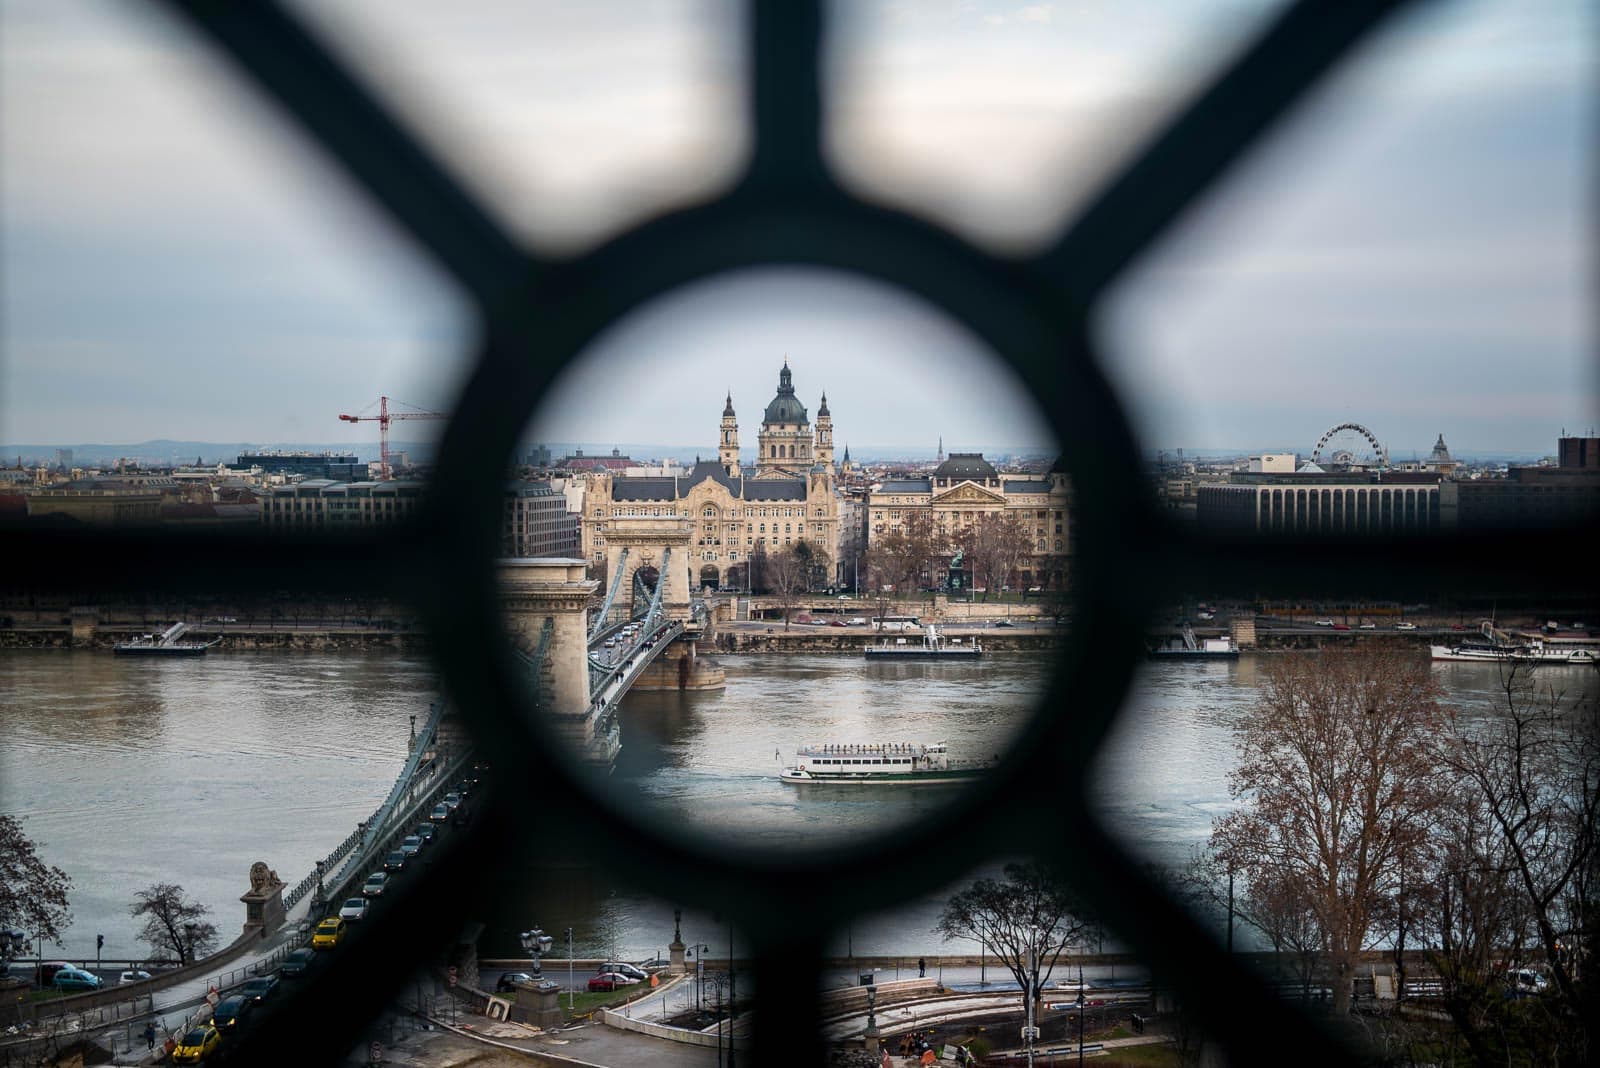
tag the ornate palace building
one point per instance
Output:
(787, 496)
(965, 487)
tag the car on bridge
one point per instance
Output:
(354, 909)
(395, 861)
(452, 801)
(296, 963)
(440, 813)
(229, 1011)
(196, 1045)
(374, 885)
(70, 978)
(329, 933)
(412, 845)
(259, 988)
(426, 831)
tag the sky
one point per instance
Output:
(1411, 253)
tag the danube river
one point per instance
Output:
(133, 771)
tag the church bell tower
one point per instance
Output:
(824, 445)
(728, 443)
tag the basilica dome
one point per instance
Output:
(785, 407)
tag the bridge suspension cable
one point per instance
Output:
(599, 622)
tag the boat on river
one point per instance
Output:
(167, 643)
(1534, 652)
(934, 646)
(1188, 647)
(867, 764)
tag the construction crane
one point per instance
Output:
(383, 418)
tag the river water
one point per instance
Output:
(133, 771)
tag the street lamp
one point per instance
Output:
(1080, 1014)
(534, 943)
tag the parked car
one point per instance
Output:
(610, 981)
(70, 978)
(394, 861)
(47, 970)
(229, 1011)
(259, 988)
(329, 933)
(440, 813)
(632, 971)
(354, 909)
(196, 1045)
(374, 885)
(296, 963)
(509, 980)
(1405, 626)
(412, 845)
(134, 976)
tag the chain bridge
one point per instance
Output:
(644, 634)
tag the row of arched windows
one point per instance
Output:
(1372, 510)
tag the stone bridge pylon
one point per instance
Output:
(545, 602)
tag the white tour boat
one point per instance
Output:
(900, 763)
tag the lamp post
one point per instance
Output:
(534, 943)
(571, 990)
(732, 998)
(1080, 1014)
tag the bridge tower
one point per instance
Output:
(545, 604)
(647, 538)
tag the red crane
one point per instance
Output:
(383, 418)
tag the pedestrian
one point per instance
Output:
(150, 1035)
(922, 967)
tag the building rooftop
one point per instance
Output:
(963, 465)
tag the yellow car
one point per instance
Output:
(329, 933)
(197, 1044)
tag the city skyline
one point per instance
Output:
(1410, 254)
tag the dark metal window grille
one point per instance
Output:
(537, 313)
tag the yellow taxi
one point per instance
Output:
(196, 1045)
(329, 933)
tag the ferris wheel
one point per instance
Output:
(1350, 445)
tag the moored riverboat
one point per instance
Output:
(934, 646)
(893, 763)
(1188, 647)
(166, 644)
(1534, 652)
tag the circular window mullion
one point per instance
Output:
(1142, 200)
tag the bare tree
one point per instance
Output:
(1535, 769)
(1027, 919)
(786, 575)
(1339, 775)
(172, 923)
(33, 894)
